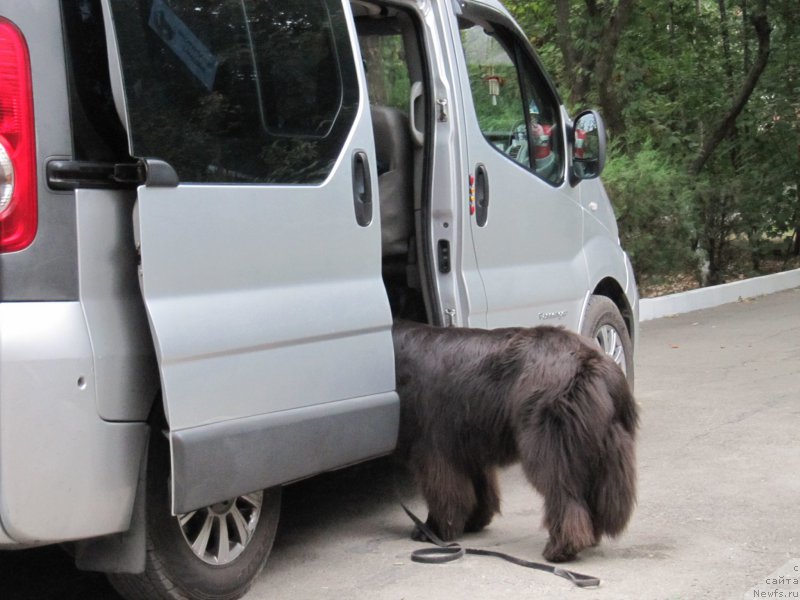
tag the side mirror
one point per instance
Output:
(588, 138)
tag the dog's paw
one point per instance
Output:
(559, 552)
(419, 536)
(477, 523)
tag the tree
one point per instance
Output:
(588, 36)
(702, 99)
(727, 123)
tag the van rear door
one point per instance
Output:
(260, 255)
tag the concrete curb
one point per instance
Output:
(673, 304)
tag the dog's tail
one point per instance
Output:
(577, 447)
(614, 495)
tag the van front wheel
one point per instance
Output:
(604, 324)
(213, 553)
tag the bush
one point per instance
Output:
(651, 197)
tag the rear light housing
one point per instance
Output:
(18, 200)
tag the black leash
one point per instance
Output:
(447, 552)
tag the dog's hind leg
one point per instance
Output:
(487, 496)
(570, 529)
(557, 464)
(450, 496)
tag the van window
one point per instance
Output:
(515, 112)
(97, 133)
(238, 90)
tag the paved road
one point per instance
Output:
(719, 501)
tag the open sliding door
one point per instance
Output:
(260, 255)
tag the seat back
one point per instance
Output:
(395, 178)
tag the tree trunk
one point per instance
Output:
(606, 61)
(728, 121)
(564, 40)
(796, 245)
(726, 43)
(593, 62)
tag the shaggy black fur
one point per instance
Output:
(473, 400)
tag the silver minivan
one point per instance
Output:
(211, 212)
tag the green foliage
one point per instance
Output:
(652, 202)
(679, 66)
(497, 114)
(385, 61)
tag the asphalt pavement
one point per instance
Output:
(718, 510)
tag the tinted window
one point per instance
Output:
(97, 132)
(238, 90)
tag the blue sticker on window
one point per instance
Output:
(185, 44)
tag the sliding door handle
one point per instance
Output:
(481, 195)
(362, 188)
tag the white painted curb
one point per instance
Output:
(673, 304)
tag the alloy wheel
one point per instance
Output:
(611, 343)
(219, 533)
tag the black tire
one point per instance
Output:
(604, 324)
(173, 571)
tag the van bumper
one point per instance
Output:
(65, 473)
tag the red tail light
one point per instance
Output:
(18, 205)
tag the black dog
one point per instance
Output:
(473, 400)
